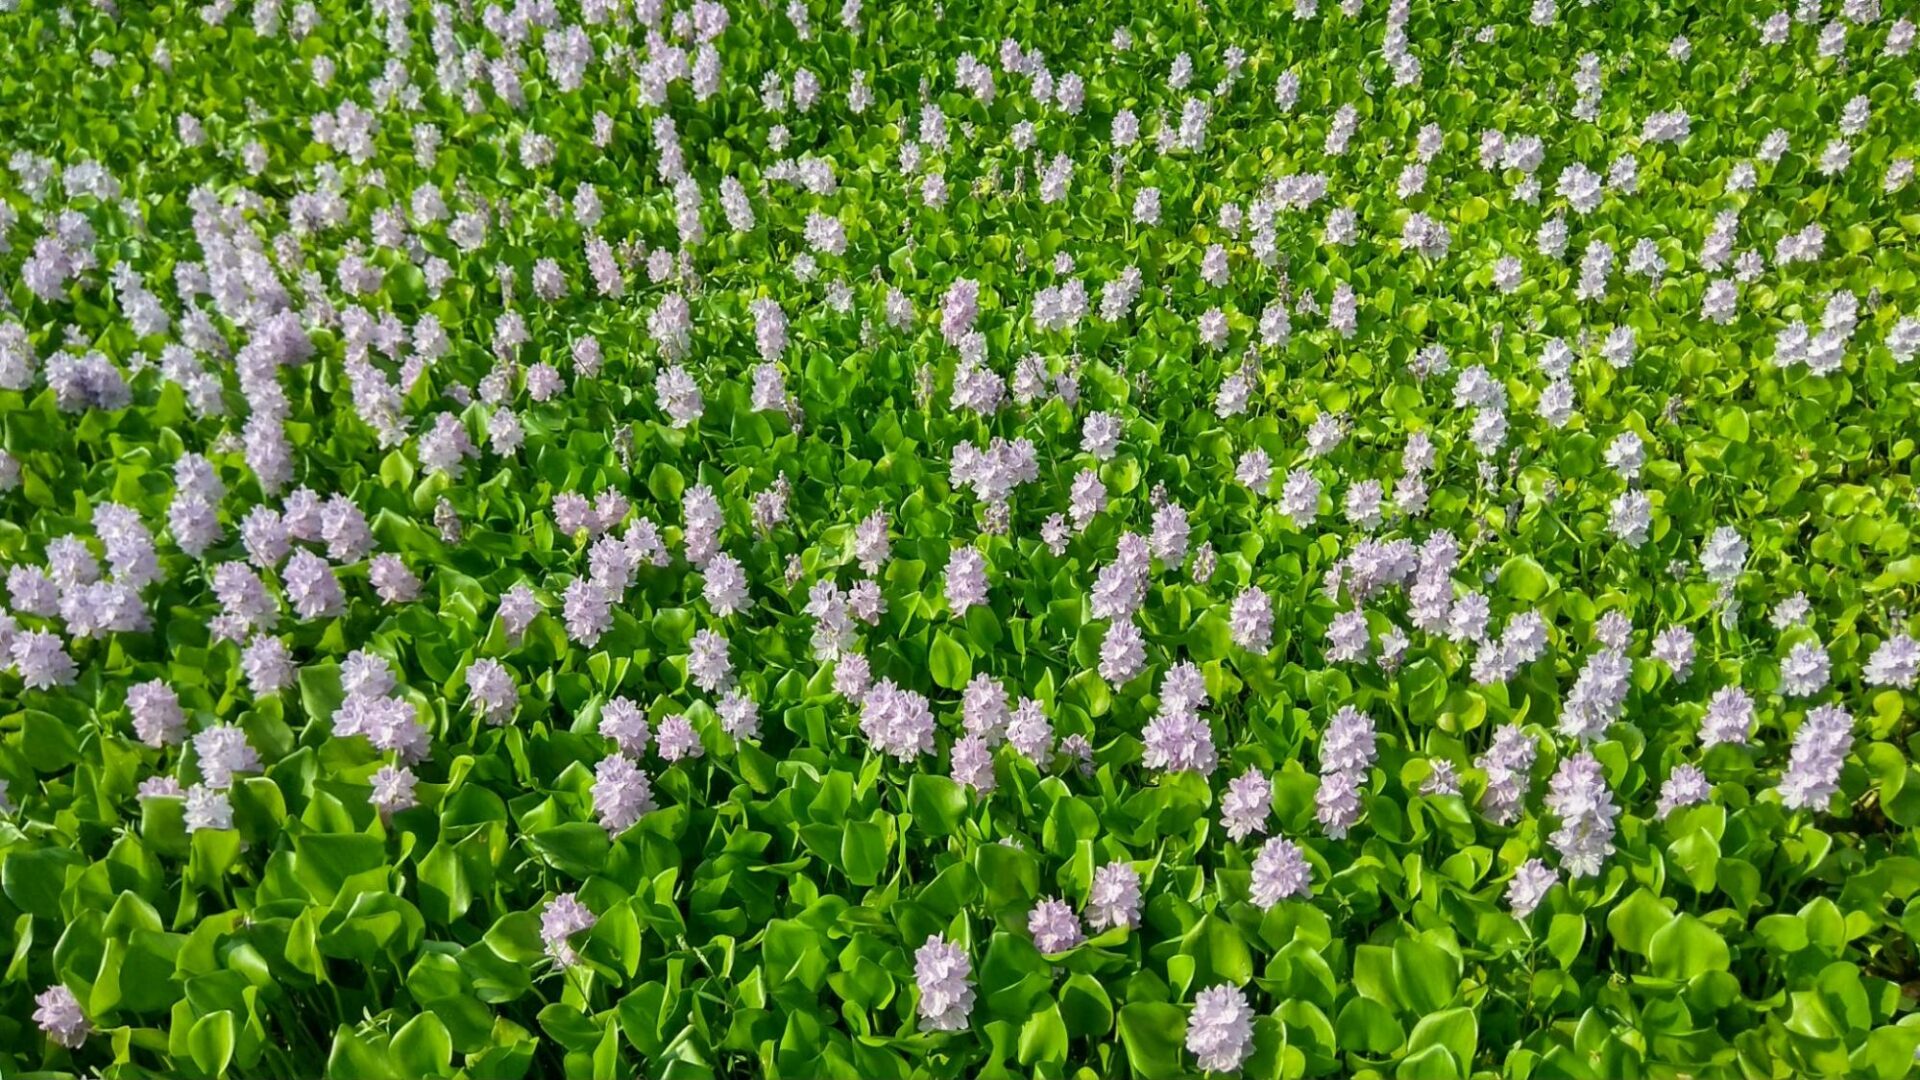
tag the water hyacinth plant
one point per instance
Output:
(691, 538)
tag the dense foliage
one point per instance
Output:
(634, 538)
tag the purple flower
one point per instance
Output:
(871, 547)
(393, 789)
(1054, 926)
(1820, 747)
(58, 1014)
(1178, 739)
(1100, 435)
(1220, 1030)
(267, 665)
(1675, 648)
(161, 787)
(70, 563)
(367, 674)
(1254, 470)
(1508, 765)
(446, 448)
(622, 721)
(1443, 780)
(129, 545)
(311, 587)
(518, 608)
(207, 808)
(708, 662)
(973, 763)
(1529, 885)
(966, 580)
(983, 708)
(725, 588)
(1729, 718)
(1896, 663)
(344, 529)
(1723, 555)
(392, 581)
(1686, 785)
(1086, 499)
(958, 308)
(157, 718)
(739, 715)
(391, 724)
(1171, 531)
(563, 917)
(897, 722)
(42, 661)
(677, 739)
(223, 751)
(1123, 652)
(1114, 899)
(587, 609)
(852, 676)
(833, 629)
(1614, 631)
(621, 793)
(1348, 637)
(1179, 742)
(1805, 670)
(1029, 732)
(1579, 796)
(1245, 806)
(942, 974)
(678, 396)
(1337, 802)
(245, 603)
(1348, 744)
(1251, 620)
(1280, 871)
(1598, 697)
(490, 691)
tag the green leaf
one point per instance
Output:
(1887, 1054)
(1010, 878)
(1368, 1027)
(952, 667)
(422, 1047)
(354, 1058)
(1698, 856)
(938, 804)
(324, 861)
(1221, 952)
(1154, 1035)
(1634, 921)
(1687, 947)
(573, 847)
(210, 1041)
(570, 1027)
(1043, 1038)
(34, 878)
(1521, 578)
(1013, 975)
(320, 690)
(1427, 976)
(1433, 1063)
(1085, 1007)
(1457, 1030)
(863, 852)
(47, 742)
(1565, 935)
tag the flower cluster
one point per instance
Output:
(766, 505)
